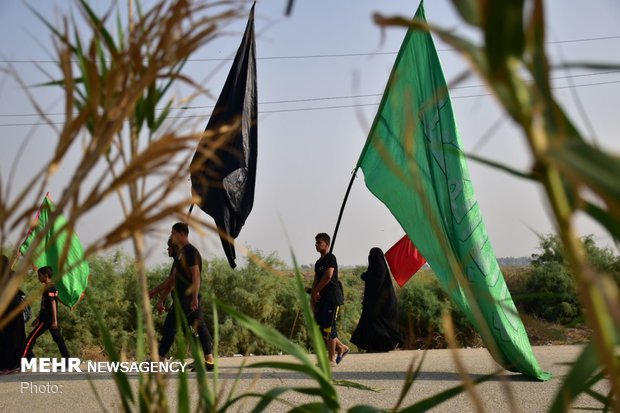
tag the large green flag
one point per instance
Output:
(413, 163)
(61, 249)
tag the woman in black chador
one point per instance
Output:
(377, 329)
(13, 334)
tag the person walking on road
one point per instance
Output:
(185, 280)
(326, 298)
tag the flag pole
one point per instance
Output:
(344, 202)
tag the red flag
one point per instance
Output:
(404, 260)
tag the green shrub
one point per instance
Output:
(549, 290)
(550, 294)
(259, 291)
(421, 305)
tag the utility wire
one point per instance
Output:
(314, 108)
(321, 56)
(274, 102)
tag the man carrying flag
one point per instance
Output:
(60, 248)
(48, 316)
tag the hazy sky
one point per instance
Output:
(327, 65)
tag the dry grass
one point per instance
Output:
(544, 333)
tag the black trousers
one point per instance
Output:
(194, 319)
(41, 328)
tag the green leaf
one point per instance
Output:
(610, 223)
(500, 166)
(503, 33)
(311, 408)
(103, 64)
(585, 165)
(122, 382)
(469, 10)
(139, 114)
(163, 116)
(589, 66)
(434, 401)
(149, 106)
(365, 409)
(409, 380)
(274, 337)
(300, 368)
(120, 31)
(353, 385)
(313, 330)
(175, 71)
(271, 335)
(181, 344)
(98, 25)
(51, 28)
(504, 89)
(268, 397)
(575, 383)
(83, 65)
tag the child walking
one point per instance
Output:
(48, 316)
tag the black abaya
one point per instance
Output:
(377, 329)
(13, 334)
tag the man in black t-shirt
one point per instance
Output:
(48, 316)
(185, 280)
(326, 298)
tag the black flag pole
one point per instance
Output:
(344, 202)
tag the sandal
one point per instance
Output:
(341, 356)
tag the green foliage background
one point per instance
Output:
(265, 288)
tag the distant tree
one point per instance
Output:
(514, 261)
(550, 291)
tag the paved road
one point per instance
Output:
(508, 392)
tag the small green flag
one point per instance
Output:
(413, 163)
(61, 249)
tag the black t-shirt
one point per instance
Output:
(187, 258)
(50, 295)
(331, 292)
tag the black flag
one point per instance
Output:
(223, 170)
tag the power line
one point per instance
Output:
(315, 108)
(274, 102)
(321, 56)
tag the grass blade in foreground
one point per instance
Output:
(575, 383)
(120, 378)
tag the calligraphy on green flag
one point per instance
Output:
(413, 163)
(60, 248)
